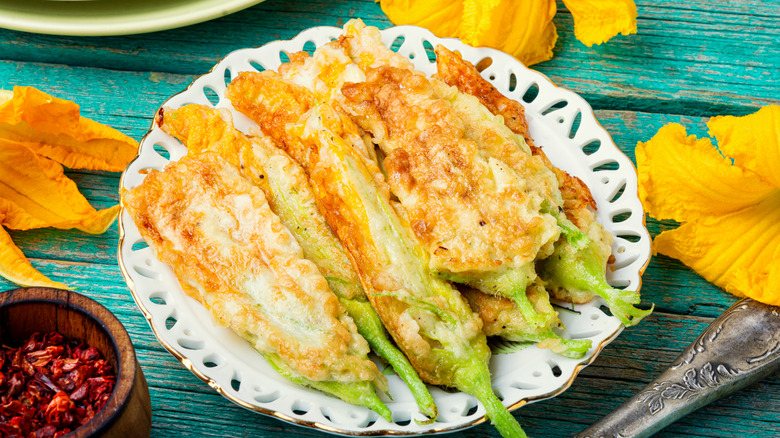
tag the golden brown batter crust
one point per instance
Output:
(500, 316)
(455, 71)
(329, 159)
(216, 230)
(449, 189)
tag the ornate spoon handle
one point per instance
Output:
(740, 347)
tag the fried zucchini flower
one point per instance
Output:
(524, 29)
(727, 199)
(38, 135)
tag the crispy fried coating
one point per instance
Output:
(203, 129)
(500, 316)
(231, 253)
(470, 212)
(342, 61)
(364, 45)
(355, 56)
(324, 72)
(291, 197)
(284, 184)
(455, 71)
(412, 305)
(578, 203)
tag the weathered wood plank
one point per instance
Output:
(627, 364)
(687, 57)
(193, 49)
(124, 100)
(690, 60)
(632, 361)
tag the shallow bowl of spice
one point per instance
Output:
(67, 368)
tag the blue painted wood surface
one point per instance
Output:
(690, 60)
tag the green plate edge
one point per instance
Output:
(111, 17)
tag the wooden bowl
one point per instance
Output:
(24, 311)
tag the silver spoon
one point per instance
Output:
(740, 347)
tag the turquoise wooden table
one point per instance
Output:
(691, 59)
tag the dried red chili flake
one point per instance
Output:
(50, 385)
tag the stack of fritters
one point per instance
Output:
(372, 197)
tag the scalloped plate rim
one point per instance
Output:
(541, 79)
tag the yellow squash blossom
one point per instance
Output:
(14, 265)
(729, 212)
(38, 134)
(53, 127)
(596, 21)
(521, 28)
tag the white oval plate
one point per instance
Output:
(235, 370)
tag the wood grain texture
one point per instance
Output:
(25, 311)
(689, 60)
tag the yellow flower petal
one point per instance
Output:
(34, 193)
(767, 282)
(523, 29)
(596, 21)
(730, 212)
(684, 179)
(753, 141)
(203, 128)
(53, 127)
(737, 252)
(439, 16)
(15, 267)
